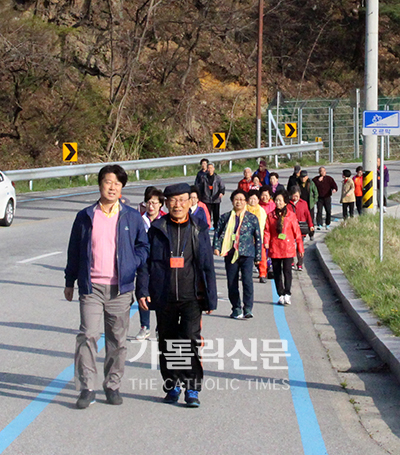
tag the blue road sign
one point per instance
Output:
(381, 123)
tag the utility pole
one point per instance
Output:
(371, 103)
(259, 70)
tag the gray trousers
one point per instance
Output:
(104, 300)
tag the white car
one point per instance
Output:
(8, 200)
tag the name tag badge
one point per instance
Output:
(210, 187)
(176, 262)
(282, 236)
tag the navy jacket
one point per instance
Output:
(132, 249)
(153, 279)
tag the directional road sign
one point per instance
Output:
(291, 130)
(381, 123)
(219, 141)
(70, 151)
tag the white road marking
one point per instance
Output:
(39, 257)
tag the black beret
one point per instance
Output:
(178, 188)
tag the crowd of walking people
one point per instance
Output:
(170, 254)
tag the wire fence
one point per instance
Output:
(335, 122)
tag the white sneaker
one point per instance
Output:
(287, 299)
(143, 334)
(281, 300)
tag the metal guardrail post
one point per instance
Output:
(269, 128)
(330, 135)
(230, 165)
(184, 170)
(387, 139)
(137, 174)
(356, 123)
(300, 128)
(30, 185)
(317, 156)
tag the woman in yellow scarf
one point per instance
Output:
(237, 238)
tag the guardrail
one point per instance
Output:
(137, 165)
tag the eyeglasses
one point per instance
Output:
(153, 203)
(174, 201)
(239, 200)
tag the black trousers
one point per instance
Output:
(179, 339)
(324, 203)
(348, 207)
(311, 233)
(282, 265)
(214, 213)
(359, 204)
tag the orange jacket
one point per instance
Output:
(358, 184)
(283, 248)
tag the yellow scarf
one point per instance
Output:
(261, 215)
(228, 241)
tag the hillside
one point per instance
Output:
(131, 79)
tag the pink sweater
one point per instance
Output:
(104, 242)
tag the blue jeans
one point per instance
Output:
(144, 318)
(245, 265)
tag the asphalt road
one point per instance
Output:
(292, 380)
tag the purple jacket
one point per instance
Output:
(385, 176)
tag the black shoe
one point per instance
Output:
(248, 315)
(173, 395)
(270, 275)
(263, 279)
(113, 396)
(86, 398)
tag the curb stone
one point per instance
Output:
(381, 338)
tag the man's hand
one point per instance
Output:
(256, 262)
(333, 191)
(216, 252)
(301, 255)
(312, 228)
(69, 293)
(143, 302)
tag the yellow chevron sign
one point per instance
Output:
(290, 130)
(70, 151)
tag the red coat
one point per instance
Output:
(245, 185)
(302, 212)
(283, 248)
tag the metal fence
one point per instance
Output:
(338, 122)
(171, 161)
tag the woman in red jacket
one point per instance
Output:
(281, 234)
(300, 209)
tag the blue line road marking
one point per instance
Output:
(310, 432)
(11, 432)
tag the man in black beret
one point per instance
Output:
(178, 282)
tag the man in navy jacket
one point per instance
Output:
(108, 243)
(178, 282)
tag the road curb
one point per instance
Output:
(381, 338)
